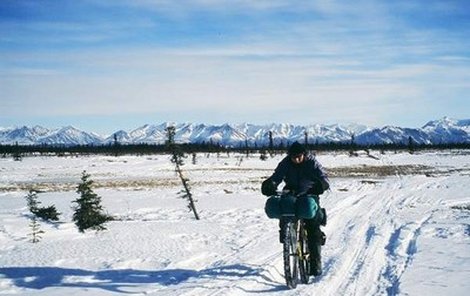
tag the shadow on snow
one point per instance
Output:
(117, 280)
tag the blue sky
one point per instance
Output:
(104, 65)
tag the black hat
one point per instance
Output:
(296, 148)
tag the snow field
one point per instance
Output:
(388, 235)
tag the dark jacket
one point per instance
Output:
(300, 178)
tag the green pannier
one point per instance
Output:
(306, 207)
(272, 207)
(276, 206)
(302, 207)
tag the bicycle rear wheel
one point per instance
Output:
(290, 254)
(304, 255)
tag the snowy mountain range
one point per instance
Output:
(445, 130)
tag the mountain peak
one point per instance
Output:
(443, 122)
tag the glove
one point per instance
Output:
(316, 189)
(268, 187)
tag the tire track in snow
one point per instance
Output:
(400, 252)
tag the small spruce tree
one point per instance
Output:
(352, 145)
(32, 201)
(17, 153)
(240, 160)
(45, 213)
(177, 156)
(36, 231)
(116, 147)
(247, 148)
(271, 144)
(263, 155)
(33, 205)
(411, 145)
(88, 212)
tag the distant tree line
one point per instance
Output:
(117, 149)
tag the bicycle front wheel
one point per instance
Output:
(290, 254)
(304, 256)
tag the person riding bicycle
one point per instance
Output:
(303, 175)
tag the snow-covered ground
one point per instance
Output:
(398, 224)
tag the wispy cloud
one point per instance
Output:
(298, 61)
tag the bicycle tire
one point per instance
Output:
(304, 255)
(290, 255)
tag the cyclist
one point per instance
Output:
(302, 175)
